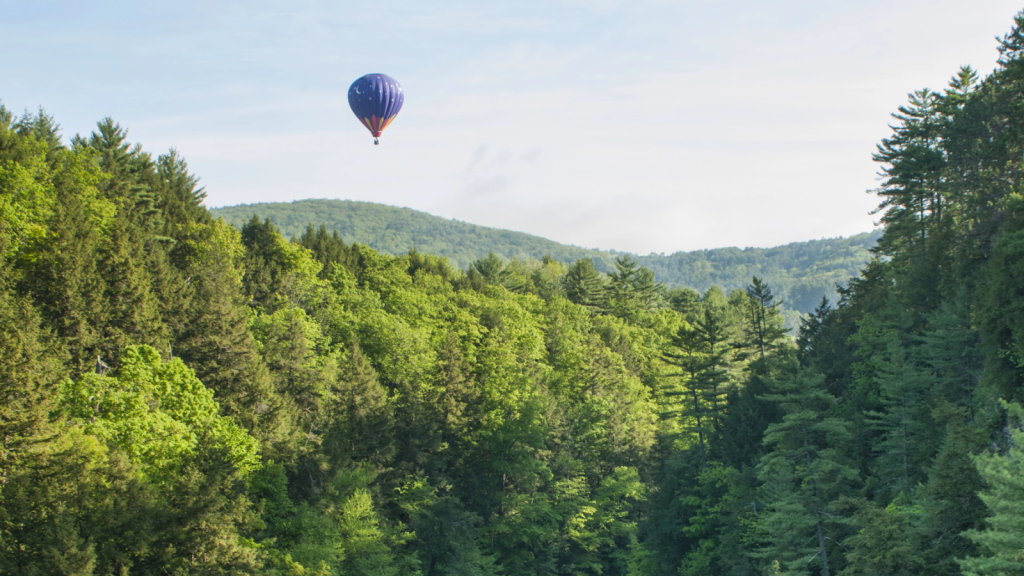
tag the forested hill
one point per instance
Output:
(395, 230)
(800, 273)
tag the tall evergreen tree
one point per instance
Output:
(632, 288)
(912, 189)
(181, 198)
(363, 423)
(264, 269)
(489, 268)
(32, 365)
(904, 424)
(803, 476)
(949, 501)
(1001, 541)
(763, 327)
(683, 300)
(42, 127)
(713, 378)
(329, 250)
(216, 341)
(689, 356)
(584, 284)
(67, 283)
(459, 403)
(134, 316)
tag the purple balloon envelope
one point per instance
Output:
(376, 99)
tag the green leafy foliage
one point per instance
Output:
(801, 273)
(155, 412)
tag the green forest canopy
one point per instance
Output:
(800, 272)
(183, 397)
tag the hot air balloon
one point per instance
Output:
(376, 99)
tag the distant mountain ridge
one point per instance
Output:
(800, 272)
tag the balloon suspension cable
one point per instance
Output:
(376, 142)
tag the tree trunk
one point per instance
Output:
(817, 514)
(821, 543)
(700, 432)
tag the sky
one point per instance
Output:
(645, 126)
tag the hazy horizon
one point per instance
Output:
(612, 249)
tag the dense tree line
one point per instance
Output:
(183, 397)
(800, 273)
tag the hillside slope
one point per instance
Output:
(800, 273)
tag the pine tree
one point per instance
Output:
(367, 551)
(448, 536)
(1000, 313)
(584, 284)
(329, 250)
(950, 347)
(912, 189)
(683, 300)
(1011, 48)
(713, 525)
(905, 426)
(132, 178)
(1002, 540)
(301, 380)
(134, 316)
(363, 419)
(810, 330)
(489, 268)
(632, 288)
(181, 198)
(67, 284)
(689, 357)
(31, 364)
(888, 542)
(764, 330)
(803, 475)
(459, 403)
(203, 519)
(217, 343)
(264, 270)
(713, 379)
(748, 414)
(42, 127)
(702, 351)
(949, 500)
